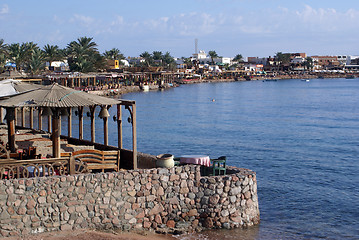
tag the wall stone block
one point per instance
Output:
(167, 200)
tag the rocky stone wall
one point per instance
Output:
(169, 200)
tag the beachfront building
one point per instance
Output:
(253, 68)
(202, 58)
(325, 62)
(58, 66)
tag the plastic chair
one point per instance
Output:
(177, 161)
(219, 165)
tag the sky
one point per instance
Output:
(253, 28)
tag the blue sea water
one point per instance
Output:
(302, 139)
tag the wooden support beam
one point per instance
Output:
(56, 153)
(31, 116)
(39, 117)
(22, 117)
(92, 115)
(49, 123)
(10, 119)
(69, 123)
(134, 136)
(81, 122)
(119, 126)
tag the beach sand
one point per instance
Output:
(86, 234)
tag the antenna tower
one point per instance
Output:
(196, 46)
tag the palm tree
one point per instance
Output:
(21, 54)
(168, 61)
(213, 55)
(308, 63)
(114, 54)
(37, 61)
(148, 58)
(83, 55)
(52, 53)
(84, 47)
(3, 53)
(238, 58)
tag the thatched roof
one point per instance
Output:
(56, 96)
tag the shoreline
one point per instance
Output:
(153, 87)
(93, 234)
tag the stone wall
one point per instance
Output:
(169, 200)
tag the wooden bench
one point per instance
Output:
(97, 160)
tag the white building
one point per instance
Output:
(203, 58)
(297, 60)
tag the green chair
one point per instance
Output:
(177, 161)
(219, 166)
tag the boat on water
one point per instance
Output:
(305, 80)
(145, 87)
(271, 80)
(350, 77)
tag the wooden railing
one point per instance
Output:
(97, 159)
(12, 168)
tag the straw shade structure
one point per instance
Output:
(56, 96)
(58, 99)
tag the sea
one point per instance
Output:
(300, 137)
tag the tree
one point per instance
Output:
(83, 55)
(283, 57)
(3, 53)
(114, 54)
(37, 62)
(308, 63)
(213, 55)
(168, 61)
(52, 53)
(238, 58)
(21, 54)
(148, 58)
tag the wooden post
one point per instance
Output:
(92, 115)
(56, 135)
(119, 126)
(81, 122)
(134, 136)
(105, 130)
(10, 119)
(72, 165)
(31, 117)
(69, 123)
(1, 115)
(39, 118)
(15, 114)
(22, 117)
(49, 123)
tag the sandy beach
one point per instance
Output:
(86, 234)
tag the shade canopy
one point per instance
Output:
(10, 87)
(56, 96)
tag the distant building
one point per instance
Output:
(201, 55)
(325, 62)
(297, 60)
(297, 55)
(59, 66)
(258, 60)
(202, 58)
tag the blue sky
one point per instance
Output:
(229, 27)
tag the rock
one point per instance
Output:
(208, 223)
(170, 223)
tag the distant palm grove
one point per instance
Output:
(82, 56)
